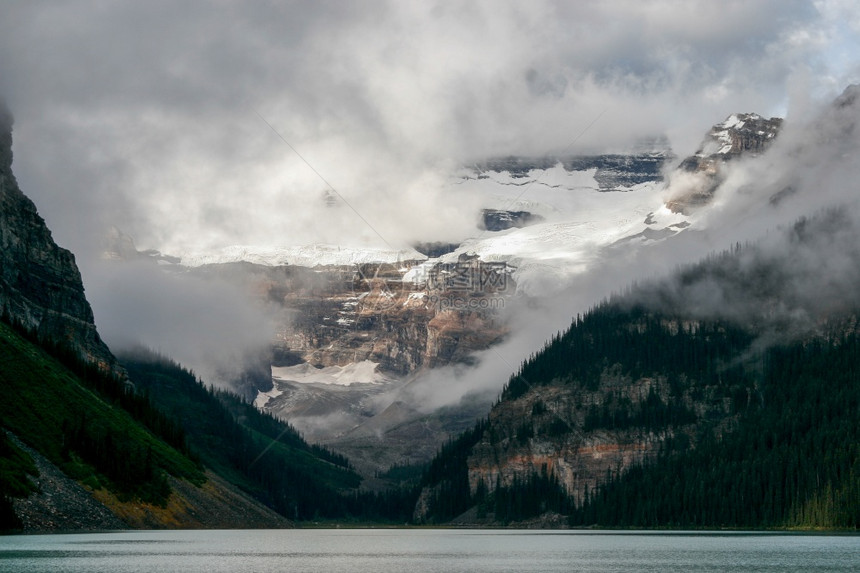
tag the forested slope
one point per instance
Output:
(651, 411)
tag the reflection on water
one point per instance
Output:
(420, 550)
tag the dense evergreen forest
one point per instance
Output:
(16, 467)
(128, 435)
(89, 423)
(264, 456)
(792, 460)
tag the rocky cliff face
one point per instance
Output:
(341, 315)
(613, 172)
(569, 431)
(349, 338)
(499, 220)
(40, 284)
(587, 409)
(744, 134)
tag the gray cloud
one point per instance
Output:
(146, 113)
(795, 210)
(144, 116)
(207, 325)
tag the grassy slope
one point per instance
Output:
(252, 450)
(40, 395)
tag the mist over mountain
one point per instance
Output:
(293, 126)
(168, 146)
(88, 442)
(592, 420)
(362, 220)
(40, 284)
(596, 234)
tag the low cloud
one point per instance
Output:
(153, 117)
(794, 215)
(147, 114)
(208, 326)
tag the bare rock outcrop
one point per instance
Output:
(699, 175)
(40, 284)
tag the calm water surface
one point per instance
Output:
(413, 550)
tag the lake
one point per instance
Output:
(431, 550)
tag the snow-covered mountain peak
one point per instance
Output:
(739, 133)
(693, 183)
(551, 217)
(311, 256)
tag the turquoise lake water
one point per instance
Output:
(419, 550)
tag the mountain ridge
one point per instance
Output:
(84, 446)
(646, 380)
(40, 284)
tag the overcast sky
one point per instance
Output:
(147, 115)
(160, 118)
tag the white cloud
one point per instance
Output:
(143, 115)
(146, 113)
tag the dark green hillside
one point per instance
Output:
(253, 450)
(128, 437)
(698, 361)
(641, 343)
(80, 425)
(447, 476)
(16, 468)
(794, 460)
(754, 439)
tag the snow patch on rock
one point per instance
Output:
(263, 397)
(317, 255)
(364, 372)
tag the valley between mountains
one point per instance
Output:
(627, 339)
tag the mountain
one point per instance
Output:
(358, 329)
(612, 172)
(724, 395)
(256, 452)
(406, 314)
(40, 285)
(88, 443)
(373, 326)
(740, 135)
(646, 413)
(80, 447)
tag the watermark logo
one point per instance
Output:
(466, 303)
(378, 286)
(466, 285)
(472, 276)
